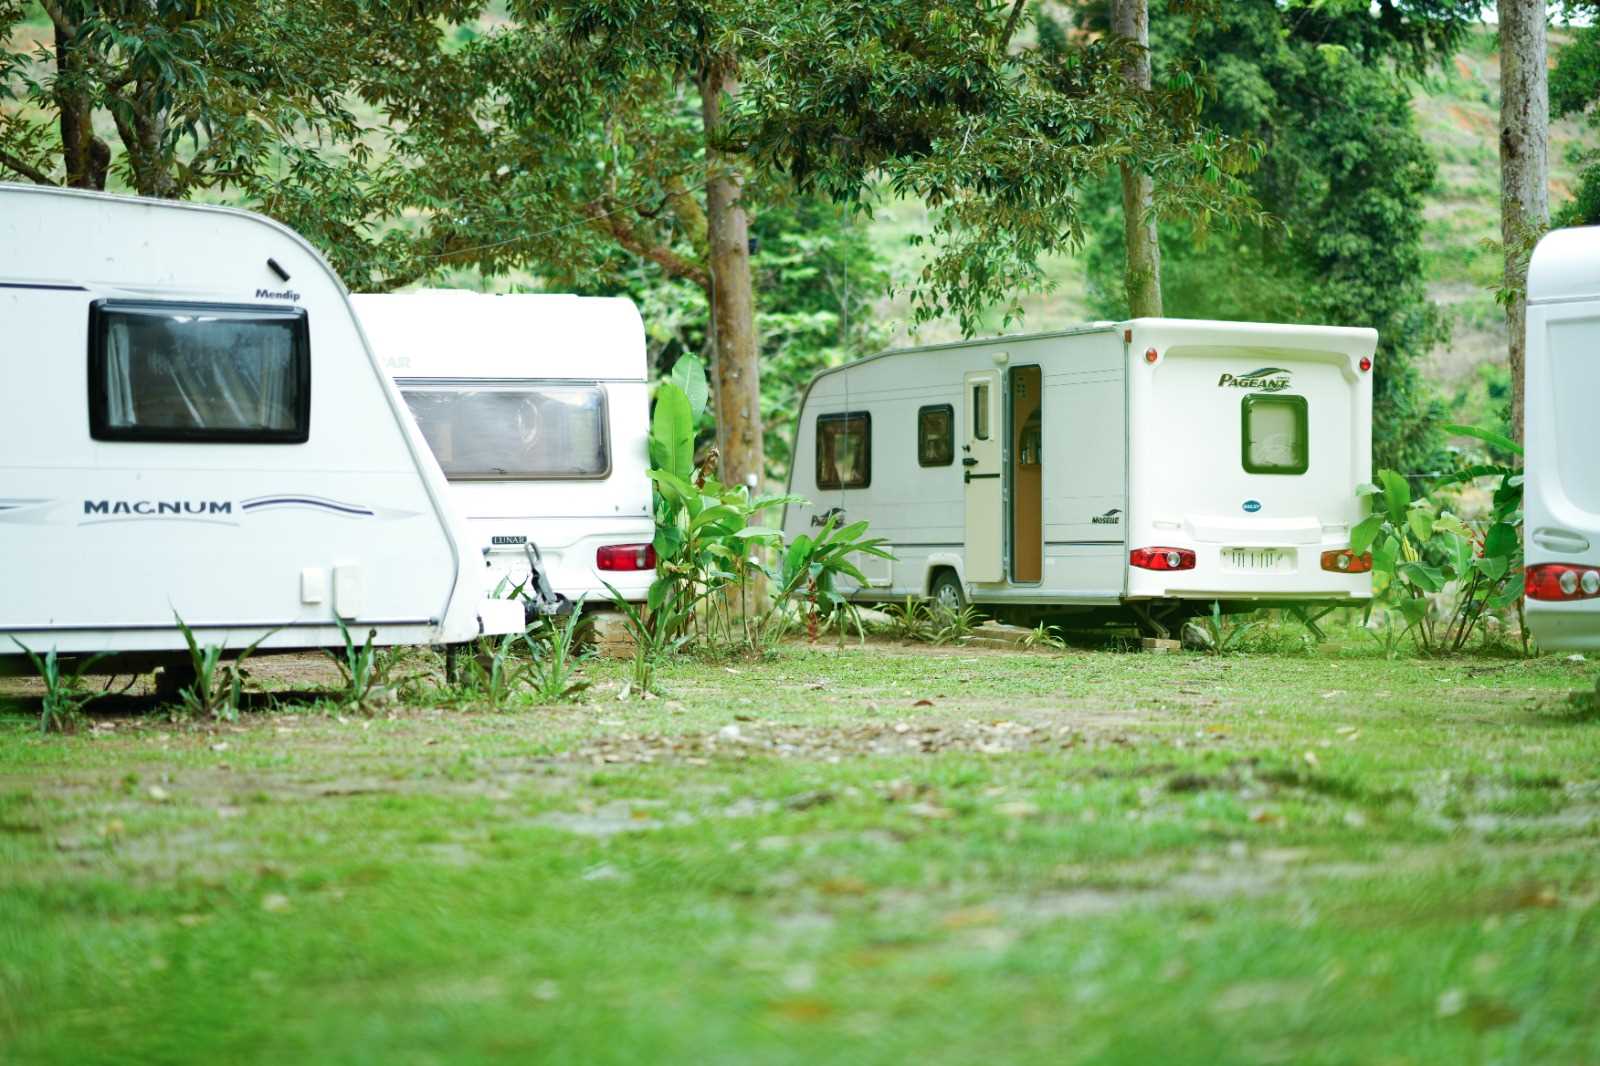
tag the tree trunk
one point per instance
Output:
(1131, 19)
(85, 157)
(733, 319)
(1524, 167)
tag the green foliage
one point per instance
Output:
(254, 100)
(657, 633)
(911, 620)
(1345, 177)
(558, 651)
(1218, 634)
(61, 710)
(218, 686)
(1574, 89)
(1420, 550)
(365, 669)
(808, 571)
(496, 672)
(849, 93)
(953, 626)
(1045, 636)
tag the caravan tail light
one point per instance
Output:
(1162, 558)
(1366, 364)
(1347, 562)
(1561, 581)
(625, 557)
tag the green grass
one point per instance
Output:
(1058, 857)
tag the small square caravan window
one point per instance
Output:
(221, 373)
(527, 433)
(844, 451)
(1275, 432)
(936, 435)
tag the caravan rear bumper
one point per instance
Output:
(1298, 577)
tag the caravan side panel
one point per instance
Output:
(104, 541)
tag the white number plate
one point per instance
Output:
(1258, 560)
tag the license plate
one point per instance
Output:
(1258, 560)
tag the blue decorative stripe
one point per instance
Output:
(304, 501)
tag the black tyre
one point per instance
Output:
(947, 592)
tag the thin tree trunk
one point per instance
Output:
(1524, 167)
(738, 371)
(1131, 19)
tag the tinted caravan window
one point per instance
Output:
(844, 451)
(936, 435)
(524, 433)
(1275, 432)
(198, 372)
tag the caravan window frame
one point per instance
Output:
(865, 480)
(949, 412)
(407, 387)
(100, 425)
(1302, 425)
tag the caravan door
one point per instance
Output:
(982, 459)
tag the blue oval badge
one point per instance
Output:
(1252, 506)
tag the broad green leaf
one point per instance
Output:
(1365, 532)
(1502, 541)
(1488, 436)
(672, 433)
(1420, 523)
(714, 514)
(1396, 495)
(1413, 609)
(1428, 578)
(1493, 567)
(1457, 552)
(689, 375)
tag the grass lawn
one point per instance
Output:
(881, 855)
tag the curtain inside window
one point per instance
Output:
(195, 370)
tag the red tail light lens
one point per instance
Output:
(1561, 581)
(1162, 558)
(1366, 364)
(625, 557)
(1347, 562)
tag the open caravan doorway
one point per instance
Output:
(1026, 426)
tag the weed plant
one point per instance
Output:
(218, 685)
(64, 693)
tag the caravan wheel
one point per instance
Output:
(947, 592)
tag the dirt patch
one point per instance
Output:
(870, 739)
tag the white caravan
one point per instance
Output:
(538, 409)
(1156, 465)
(1562, 490)
(194, 425)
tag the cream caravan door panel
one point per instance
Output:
(982, 459)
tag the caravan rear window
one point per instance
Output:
(844, 451)
(198, 373)
(527, 433)
(1275, 433)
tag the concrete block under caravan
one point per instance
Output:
(537, 408)
(1562, 490)
(195, 425)
(1151, 466)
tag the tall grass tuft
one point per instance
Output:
(64, 694)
